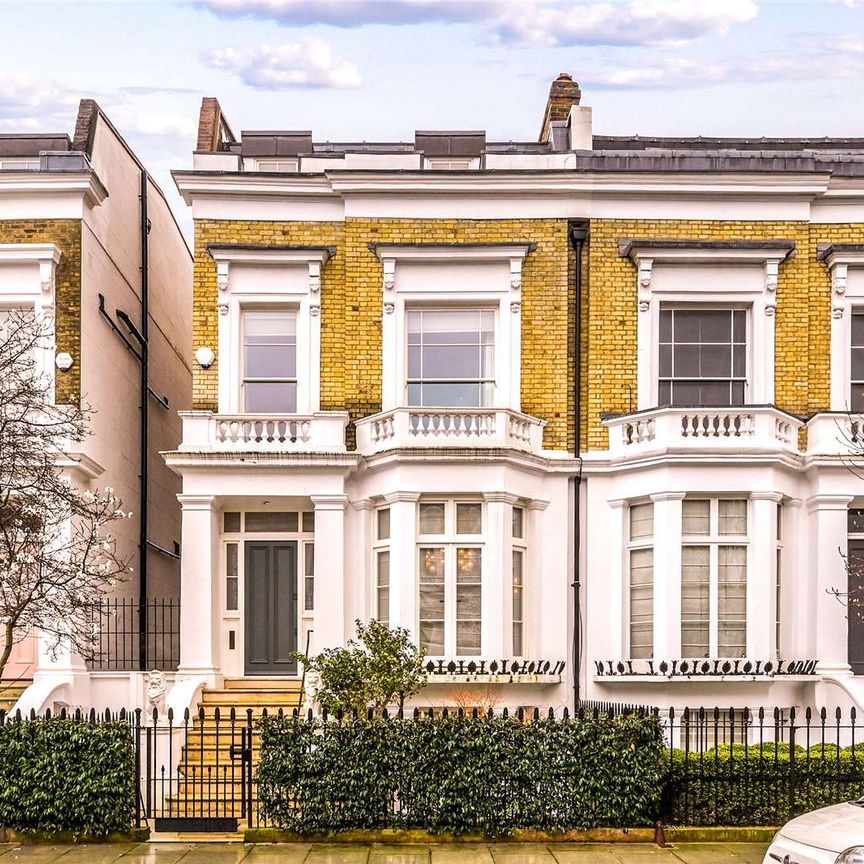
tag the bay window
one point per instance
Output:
(451, 360)
(269, 382)
(703, 357)
(641, 587)
(450, 577)
(714, 578)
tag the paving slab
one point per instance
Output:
(157, 853)
(36, 854)
(521, 853)
(337, 854)
(585, 853)
(465, 853)
(707, 853)
(214, 853)
(383, 854)
(279, 853)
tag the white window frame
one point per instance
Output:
(298, 287)
(450, 541)
(282, 164)
(245, 310)
(714, 540)
(846, 268)
(632, 544)
(379, 545)
(39, 293)
(451, 163)
(519, 545)
(683, 275)
(502, 292)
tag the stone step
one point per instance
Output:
(263, 684)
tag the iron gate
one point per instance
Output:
(197, 775)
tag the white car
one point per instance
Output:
(832, 835)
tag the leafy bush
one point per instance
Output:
(756, 785)
(460, 774)
(60, 774)
(380, 667)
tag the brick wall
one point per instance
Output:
(66, 235)
(802, 370)
(351, 306)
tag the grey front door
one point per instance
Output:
(271, 607)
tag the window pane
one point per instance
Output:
(384, 524)
(732, 516)
(732, 601)
(231, 523)
(855, 520)
(432, 518)
(858, 329)
(695, 610)
(308, 576)
(271, 521)
(665, 325)
(641, 521)
(468, 600)
(518, 561)
(858, 364)
(696, 517)
(469, 518)
(270, 344)
(641, 603)
(231, 577)
(432, 600)
(518, 522)
(270, 397)
(450, 395)
(856, 399)
(383, 591)
(715, 361)
(309, 521)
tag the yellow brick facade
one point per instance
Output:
(802, 365)
(66, 235)
(351, 306)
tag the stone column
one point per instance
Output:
(667, 575)
(403, 560)
(330, 623)
(762, 576)
(199, 594)
(827, 571)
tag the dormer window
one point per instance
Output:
(450, 151)
(451, 164)
(282, 166)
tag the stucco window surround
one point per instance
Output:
(710, 275)
(668, 540)
(251, 278)
(845, 263)
(430, 276)
(28, 281)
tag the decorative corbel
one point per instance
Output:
(515, 307)
(772, 272)
(644, 283)
(837, 312)
(389, 285)
(314, 287)
(516, 274)
(46, 281)
(839, 275)
(223, 308)
(222, 276)
(770, 309)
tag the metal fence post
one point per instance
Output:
(792, 763)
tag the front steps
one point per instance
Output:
(10, 692)
(209, 781)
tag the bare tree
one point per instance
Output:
(57, 557)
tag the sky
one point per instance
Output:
(353, 70)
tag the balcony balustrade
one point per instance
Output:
(753, 429)
(204, 431)
(835, 434)
(449, 427)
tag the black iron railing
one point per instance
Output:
(116, 635)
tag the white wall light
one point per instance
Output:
(205, 357)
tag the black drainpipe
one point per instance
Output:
(145, 425)
(578, 236)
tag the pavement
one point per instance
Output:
(321, 853)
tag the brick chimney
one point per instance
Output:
(213, 129)
(563, 95)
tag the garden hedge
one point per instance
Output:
(753, 785)
(460, 774)
(59, 774)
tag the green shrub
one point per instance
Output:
(460, 774)
(751, 786)
(59, 774)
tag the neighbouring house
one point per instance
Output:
(87, 237)
(442, 382)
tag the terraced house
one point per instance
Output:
(578, 412)
(88, 242)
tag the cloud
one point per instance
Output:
(678, 73)
(26, 101)
(309, 63)
(538, 23)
